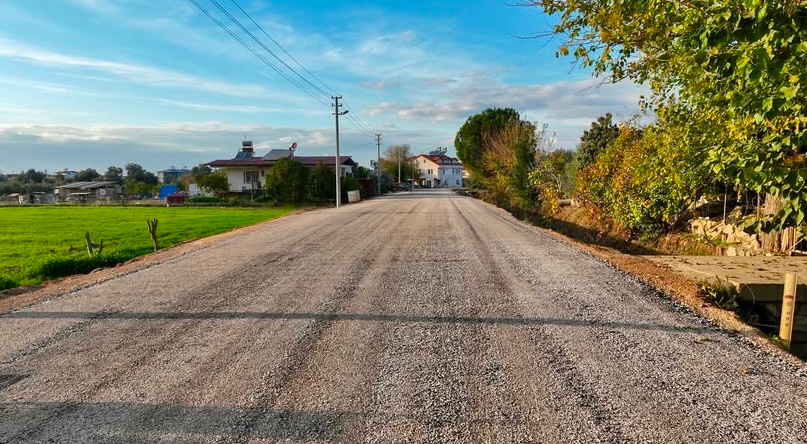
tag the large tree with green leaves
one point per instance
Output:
(594, 140)
(736, 66)
(470, 139)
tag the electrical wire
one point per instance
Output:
(352, 117)
(254, 52)
(332, 91)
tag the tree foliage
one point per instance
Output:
(646, 179)
(501, 154)
(738, 67)
(87, 175)
(396, 156)
(469, 141)
(321, 183)
(594, 140)
(114, 174)
(286, 181)
(215, 183)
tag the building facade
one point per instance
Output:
(436, 170)
(246, 172)
(171, 175)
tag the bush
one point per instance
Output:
(321, 184)
(287, 182)
(350, 184)
(645, 180)
(7, 282)
(60, 266)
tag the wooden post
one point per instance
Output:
(788, 309)
(89, 243)
(152, 223)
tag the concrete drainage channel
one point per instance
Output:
(758, 284)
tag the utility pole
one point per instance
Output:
(337, 166)
(399, 166)
(378, 165)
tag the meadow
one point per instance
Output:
(47, 242)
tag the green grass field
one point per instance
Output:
(35, 242)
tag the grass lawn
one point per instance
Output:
(35, 242)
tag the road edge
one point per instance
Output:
(71, 284)
(668, 282)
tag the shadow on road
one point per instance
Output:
(106, 421)
(336, 317)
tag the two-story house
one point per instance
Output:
(436, 170)
(246, 171)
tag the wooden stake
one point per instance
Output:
(788, 309)
(152, 223)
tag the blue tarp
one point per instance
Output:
(165, 190)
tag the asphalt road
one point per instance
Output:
(419, 318)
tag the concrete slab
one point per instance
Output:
(758, 278)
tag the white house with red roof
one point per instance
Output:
(436, 170)
(246, 171)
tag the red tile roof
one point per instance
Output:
(441, 159)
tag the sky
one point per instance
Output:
(94, 83)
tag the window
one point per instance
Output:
(251, 177)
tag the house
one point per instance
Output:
(87, 191)
(246, 171)
(436, 170)
(171, 175)
(66, 174)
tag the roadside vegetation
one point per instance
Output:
(47, 242)
(729, 94)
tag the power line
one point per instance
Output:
(262, 45)
(284, 50)
(254, 52)
(352, 117)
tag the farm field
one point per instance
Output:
(42, 243)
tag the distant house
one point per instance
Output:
(436, 170)
(247, 172)
(86, 191)
(171, 175)
(35, 198)
(66, 174)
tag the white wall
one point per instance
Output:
(235, 176)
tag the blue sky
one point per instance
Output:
(93, 83)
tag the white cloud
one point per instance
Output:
(136, 73)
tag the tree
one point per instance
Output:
(594, 140)
(87, 175)
(137, 173)
(394, 160)
(200, 171)
(507, 159)
(736, 66)
(216, 183)
(114, 174)
(362, 172)
(469, 141)
(286, 181)
(321, 184)
(31, 176)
